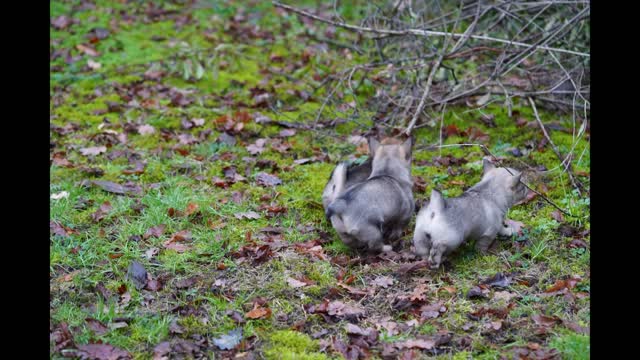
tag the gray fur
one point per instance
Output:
(343, 177)
(478, 214)
(369, 213)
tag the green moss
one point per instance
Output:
(292, 345)
(573, 346)
(462, 355)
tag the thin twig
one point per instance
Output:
(434, 68)
(554, 147)
(418, 32)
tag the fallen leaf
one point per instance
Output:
(339, 308)
(137, 274)
(146, 129)
(153, 285)
(59, 160)
(544, 320)
(102, 290)
(137, 169)
(177, 247)
(118, 325)
(304, 161)
(265, 179)
(356, 140)
(59, 230)
(96, 150)
(412, 266)
(413, 323)
(225, 138)
(154, 231)
(161, 350)
(287, 132)
(93, 65)
(356, 330)
(183, 235)
(416, 344)
(101, 212)
(557, 216)
(191, 208)
(102, 352)
(247, 215)
(295, 283)
(99, 33)
(577, 243)
(419, 293)
(186, 282)
(483, 99)
(577, 328)
(450, 130)
(561, 285)
(432, 311)
(495, 325)
(257, 147)
(61, 22)
(96, 326)
(112, 187)
(477, 292)
(87, 50)
(503, 295)
(60, 195)
(488, 120)
(498, 280)
(382, 281)
(355, 291)
(258, 312)
(230, 340)
(62, 337)
(448, 289)
(151, 253)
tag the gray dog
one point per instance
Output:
(346, 174)
(378, 209)
(478, 214)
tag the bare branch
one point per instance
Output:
(419, 32)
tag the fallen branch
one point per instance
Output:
(419, 32)
(567, 167)
(434, 69)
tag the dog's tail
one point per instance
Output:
(339, 179)
(334, 187)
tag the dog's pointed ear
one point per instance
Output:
(373, 145)
(406, 146)
(515, 180)
(487, 165)
(436, 202)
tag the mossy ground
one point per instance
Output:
(241, 44)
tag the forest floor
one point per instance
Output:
(187, 166)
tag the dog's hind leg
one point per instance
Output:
(372, 236)
(483, 243)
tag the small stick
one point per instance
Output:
(427, 88)
(567, 167)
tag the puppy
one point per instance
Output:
(478, 214)
(378, 209)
